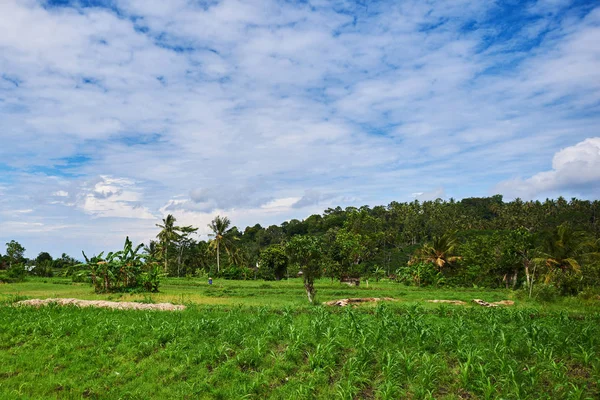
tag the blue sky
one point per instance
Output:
(115, 113)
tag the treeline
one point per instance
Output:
(14, 266)
(475, 241)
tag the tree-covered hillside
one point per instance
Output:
(476, 241)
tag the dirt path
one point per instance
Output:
(125, 305)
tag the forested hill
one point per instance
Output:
(489, 237)
(474, 241)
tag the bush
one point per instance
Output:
(236, 273)
(469, 275)
(16, 273)
(570, 283)
(150, 279)
(546, 293)
(44, 270)
(420, 274)
(590, 293)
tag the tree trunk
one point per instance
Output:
(166, 257)
(532, 280)
(310, 291)
(179, 262)
(218, 266)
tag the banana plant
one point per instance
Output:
(121, 270)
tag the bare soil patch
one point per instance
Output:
(476, 301)
(345, 302)
(455, 302)
(125, 305)
(495, 304)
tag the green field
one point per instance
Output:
(254, 339)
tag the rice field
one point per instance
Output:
(256, 340)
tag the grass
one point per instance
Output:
(252, 339)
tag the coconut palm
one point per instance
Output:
(184, 241)
(167, 235)
(562, 250)
(220, 228)
(440, 252)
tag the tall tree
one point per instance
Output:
(43, 257)
(273, 263)
(184, 241)
(167, 235)
(14, 252)
(220, 228)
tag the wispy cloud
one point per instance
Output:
(114, 113)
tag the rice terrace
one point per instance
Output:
(300, 199)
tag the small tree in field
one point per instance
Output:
(307, 252)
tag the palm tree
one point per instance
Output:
(562, 250)
(167, 235)
(184, 242)
(440, 252)
(220, 228)
(152, 249)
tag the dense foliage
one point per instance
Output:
(123, 270)
(476, 241)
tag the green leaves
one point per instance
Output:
(273, 263)
(440, 251)
(125, 269)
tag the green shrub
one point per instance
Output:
(547, 293)
(590, 293)
(44, 270)
(16, 272)
(420, 274)
(236, 273)
(150, 279)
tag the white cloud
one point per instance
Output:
(575, 170)
(113, 197)
(232, 106)
(438, 193)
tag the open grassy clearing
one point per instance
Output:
(277, 294)
(252, 339)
